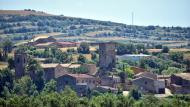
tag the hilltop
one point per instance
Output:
(24, 24)
(23, 12)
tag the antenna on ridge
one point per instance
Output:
(132, 17)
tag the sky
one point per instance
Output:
(146, 12)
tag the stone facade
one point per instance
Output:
(107, 56)
(20, 60)
(52, 71)
(180, 83)
(111, 81)
(79, 82)
(148, 83)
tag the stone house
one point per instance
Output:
(110, 81)
(180, 83)
(52, 71)
(147, 82)
(79, 82)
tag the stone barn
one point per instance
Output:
(180, 83)
(147, 82)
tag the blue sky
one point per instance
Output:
(146, 12)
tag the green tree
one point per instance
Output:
(93, 56)
(135, 94)
(84, 48)
(165, 49)
(172, 70)
(24, 86)
(69, 98)
(6, 80)
(7, 48)
(50, 86)
(35, 71)
(11, 63)
(176, 56)
(82, 59)
(150, 101)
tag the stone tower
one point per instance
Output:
(107, 58)
(20, 59)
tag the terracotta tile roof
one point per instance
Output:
(146, 74)
(44, 44)
(66, 43)
(185, 76)
(137, 70)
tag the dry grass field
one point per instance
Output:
(92, 48)
(3, 65)
(45, 35)
(171, 50)
(22, 12)
(180, 50)
(75, 57)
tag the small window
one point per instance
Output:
(18, 60)
(67, 82)
(145, 82)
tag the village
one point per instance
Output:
(102, 76)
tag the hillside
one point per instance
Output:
(24, 24)
(23, 12)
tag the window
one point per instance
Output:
(145, 82)
(66, 82)
(18, 60)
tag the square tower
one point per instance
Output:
(20, 60)
(107, 58)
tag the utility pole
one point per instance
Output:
(132, 18)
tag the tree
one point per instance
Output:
(81, 59)
(7, 48)
(158, 46)
(50, 86)
(171, 70)
(150, 101)
(6, 80)
(134, 93)
(93, 56)
(36, 73)
(165, 49)
(84, 48)
(69, 97)
(176, 56)
(24, 86)
(11, 64)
